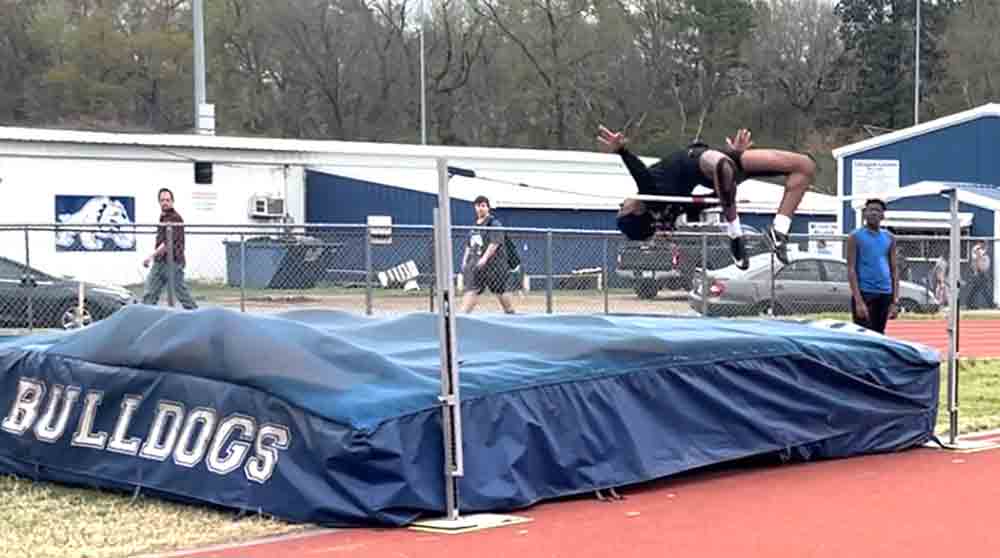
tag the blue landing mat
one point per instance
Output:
(333, 418)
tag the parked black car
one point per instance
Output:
(53, 301)
(671, 260)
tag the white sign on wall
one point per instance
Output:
(204, 200)
(824, 246)
(874, 175)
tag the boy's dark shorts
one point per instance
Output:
(479, 279)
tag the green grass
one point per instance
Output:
(44, 520)
(978, 396)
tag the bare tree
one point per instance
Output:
(323, 58)
(973, 49)
(455, 42)
(797, 55)
(551, 35)
(795, 46)
(693, 51)
(22, 55)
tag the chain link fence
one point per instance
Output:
(55, 277)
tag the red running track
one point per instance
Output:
(917, 503)
(976, 338)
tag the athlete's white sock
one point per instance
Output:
(734, 229)
(782, 223)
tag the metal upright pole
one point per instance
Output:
(704, 274)
(772, 310)
(243, 273)
(953, 273)
(548, 272)
(605, 277)
(434, 258)
(29, 280)
(451, 409)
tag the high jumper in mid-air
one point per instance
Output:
(678, 173)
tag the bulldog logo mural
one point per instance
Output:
(113, 215)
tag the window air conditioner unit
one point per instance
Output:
(267, 207)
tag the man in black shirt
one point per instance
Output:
(484, 265)
(680, 172)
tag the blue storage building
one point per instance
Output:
(960, 148)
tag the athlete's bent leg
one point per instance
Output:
(800, 171)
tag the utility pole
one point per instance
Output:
(423, 75)
(204, 113)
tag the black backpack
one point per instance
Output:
(513, 258)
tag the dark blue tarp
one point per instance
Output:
(333, 418)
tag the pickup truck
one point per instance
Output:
(670, 260)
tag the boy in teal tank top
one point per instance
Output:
(871, 270)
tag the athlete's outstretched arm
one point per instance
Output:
(614, 142)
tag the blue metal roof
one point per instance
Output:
(987, 110)
(985, 190)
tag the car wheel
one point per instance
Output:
(677, 284)
(762, 308)
(646, 288)
(68, 318)
(907, 305)
(686, 282)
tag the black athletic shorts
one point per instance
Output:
(878, 305)
(479, 279)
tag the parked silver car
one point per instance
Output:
(810, 283)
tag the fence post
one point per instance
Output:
(368, 270)
(80, 303)
(548, 272)
(704, 274)
(604, 277)
(771, 303)
(243, 273)
(29, 281)
(433, 293)
(170, 265)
